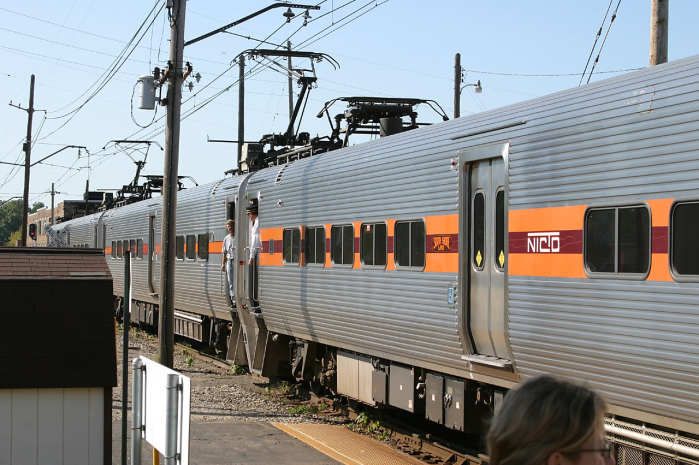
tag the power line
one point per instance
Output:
(116, 64)
(594, 44)
(64, 44)
(604, 41)
(110, 73)
(83, 31)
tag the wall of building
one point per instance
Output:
(57, 426)
(42, 219)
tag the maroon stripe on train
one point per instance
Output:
(442, 243)
(356, 245)
(389, 244)
(660, 241)
(265, 246)
(327, 244)
(570, 241)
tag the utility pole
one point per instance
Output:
(457, 85)
(291, 82)
(27, 160)
(53, 194)
(658, 31)
(166, 320)
(241, 107)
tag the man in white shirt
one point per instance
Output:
(255, 246)
(228, 260)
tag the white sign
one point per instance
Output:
(155, 408)
(544, 242)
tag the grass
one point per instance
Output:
(365, 423)
(188, 359)
(307, 409)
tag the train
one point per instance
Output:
(434, 269)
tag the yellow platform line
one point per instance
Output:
(345, 446)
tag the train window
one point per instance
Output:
(191, 250)
(132, 248)
(499, 256)
(684, 230)
(478, 249)
(373, 244)
(342, 244)
(291, 245)
(179, 247)
(203, 246)
(114, 249)
(410, 243)
(230, 213)
(120, 250)
(139, 248)
(314, 245)
(617, 240)
(633, 236)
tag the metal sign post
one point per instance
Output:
(160, 393)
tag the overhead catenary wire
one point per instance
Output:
(604, 41)
(594, 44)
(103, 156)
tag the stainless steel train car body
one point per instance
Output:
(200, 284)
(625, 140)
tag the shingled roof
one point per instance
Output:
(21, 263)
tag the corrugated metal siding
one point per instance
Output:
(199, 284)
(634, 341)
(625, 139)
(394, 314)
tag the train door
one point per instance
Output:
(151, 252)
(484, 255)
(229, 290)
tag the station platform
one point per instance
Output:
(276, 443)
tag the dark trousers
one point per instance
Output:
(252, 283)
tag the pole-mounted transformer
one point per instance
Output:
(147, 92)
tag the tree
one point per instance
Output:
(10, 219)
(14, 238)
(36, 206)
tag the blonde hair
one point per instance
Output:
(231, 222)
(542, 416)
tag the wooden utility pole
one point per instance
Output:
(27, 160)
(658, 31)
(291, 81)
(241, 107)
(457, 85)
(166, 319)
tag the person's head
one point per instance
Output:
(549, 421)
(252, 210)
(230, 226)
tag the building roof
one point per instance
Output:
(57, 319)
(22, 263)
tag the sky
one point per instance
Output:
(397, 48)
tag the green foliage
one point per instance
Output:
(237, 370)
(10, 220)
(365, 424)
(14, 238)
(188, 359)
(36, 206)
(307, 409)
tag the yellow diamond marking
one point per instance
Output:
(479, 258)
(501, 258)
